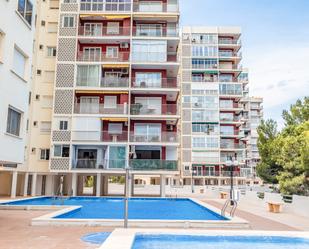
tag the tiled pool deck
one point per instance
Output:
(17, 233)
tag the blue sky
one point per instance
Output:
(275, 38)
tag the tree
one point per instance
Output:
(268, 168)
(299, 113)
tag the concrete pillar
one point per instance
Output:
(74, 184)
(26, 183)
(98, 185)
(33, 186)
(105, 185)
(49, 185)
(162, 185)
(14, 184)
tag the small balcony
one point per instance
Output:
(155, 6)
(100, 31)
(105, 82)
(99, 136)
(227, 41)
(103, 57)
(165, 109)
(80, 108)
(168, 83)
(153, 164)
(165, 137)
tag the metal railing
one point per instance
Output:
(171, 137)
(152, 7)
(103, 57)
(153, 164)
(80, 108)
(101, 31)
(164, 109)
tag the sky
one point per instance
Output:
(275, 44)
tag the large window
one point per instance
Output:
(88, 76)
(205, 101)
(205, 115)
(44, 155)
(117, 155)
(231, 89)
(19, 63)
(209, 129)
(205, 142)
(61, 150)
(13, 121)
(204, 63)
(25, 9)
(210, 51)
(107, 5)
(148, 80)
(149, 51)
(204, 39)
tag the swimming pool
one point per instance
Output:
(139, 208)
(223, 242)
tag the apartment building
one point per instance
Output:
(213, 87)
(116, 92)
(40, 180)
(16, 42)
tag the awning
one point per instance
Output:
(115, 65)
(106, 16)
(115, 119)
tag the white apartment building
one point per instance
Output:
(17, 24)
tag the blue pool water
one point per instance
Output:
(139, 208)
(218, 242)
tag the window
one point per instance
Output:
(52, 27)
(209, 129)
(19, 62)
(205, 142)
(25, 10)
(112, 52)
(89, 105)
(205, 115)
(51, 51)
(63, 125)
(115, 128)
(210, 51)
(93, 29)
(69, 1)
(112, 28)
(148, 80)
(61, 150)
(110, 102)
(45, 126)
(88, 75)
(68, 22)
(13, 121)
(44, 155)
(149, 51)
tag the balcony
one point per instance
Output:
(232, 134)
(232, 146)
(230, 119)
(105, 82)
(228, 54)
(154, 57)
(99, 136)
(228, 106)
(104, 6)
(95, 164)
(226, 41)
(153, 164)
(100, 31)
(166, 137)
(80, 108)
(103, 57)
(166, 109)
(155, 7)
(168, 83)
(155, 32)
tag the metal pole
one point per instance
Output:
(126, 199)
(231, 192)
(192, 187)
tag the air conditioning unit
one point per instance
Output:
(125, 70)
(193, 40)
(197, 104)
(124, 45)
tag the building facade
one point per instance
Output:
(16, 41)
(116, 92)
(213, 118)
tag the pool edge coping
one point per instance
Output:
(127, 236)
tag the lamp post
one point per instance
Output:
(193, 172)
(231, 164)
(126, 198)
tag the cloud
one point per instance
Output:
(279, 75)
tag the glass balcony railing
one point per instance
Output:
(100, 136)
(154, 57)
(103, 57)
(229, 54)
(108, 82)
(155, 32)
(105, 5)
(169, 137)
(87, 163)
(230, 119)
(155, 6)
(223, 41)
(164, 109)
(232, 146)
(153, 164)
(162, 83)
(100, 31)
(229, 106)
(93, 108)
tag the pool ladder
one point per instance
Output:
(226, 204)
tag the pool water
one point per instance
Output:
(139, 208)
(218, 242)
